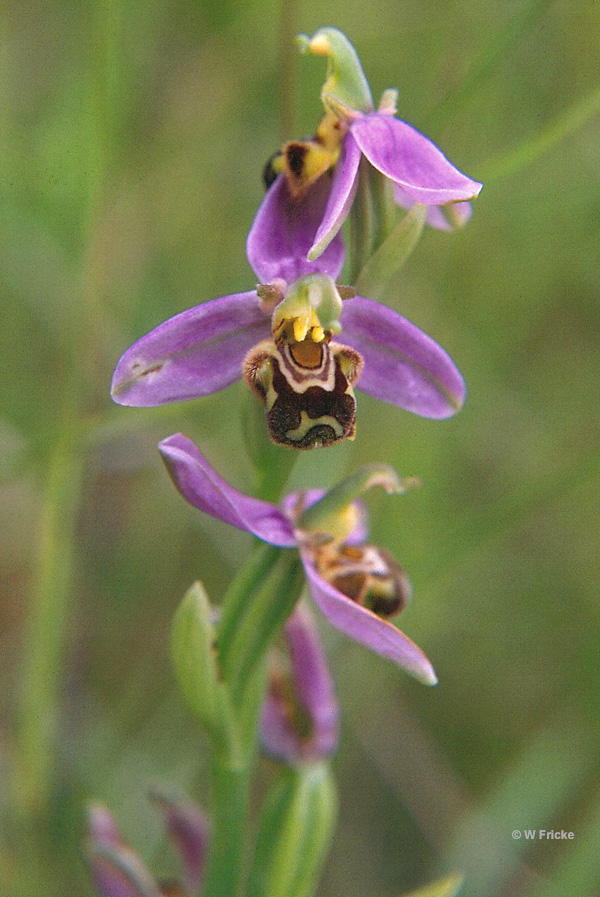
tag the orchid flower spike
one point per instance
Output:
(283, 339)
(356, 585)
(118, 871)
(351, 130)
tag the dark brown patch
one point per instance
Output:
(269, 174)
(295, 154)
(285, 415)
(350, 584)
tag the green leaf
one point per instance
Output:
(197, 667)
(265, 610)
(575, 117)
(295, 831)
(392, 254)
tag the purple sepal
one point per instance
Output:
(365, 627)
(403, 365)
(196, 353)
(188, 828)
(341, 197)
(117, 871)
(412, 161)
(312, 682)
(278, 737)
(438, 217)
(283, 230)
(114, 876)
(102, 826)
(313, 689)
(199, 484)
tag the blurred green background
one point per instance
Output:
(132, 139)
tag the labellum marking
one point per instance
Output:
(366, 574)
(306, 388)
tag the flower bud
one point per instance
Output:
(188, 829)
(116, 870)
(196, 662)
(295, 830)
(300, 715)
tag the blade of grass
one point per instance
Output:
(527, 796)
(575, 117)
(50, 611)
(486, 63)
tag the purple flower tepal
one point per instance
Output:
(118, 871)
(300, 714)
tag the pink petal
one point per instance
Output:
(283, 232)
(312, 681)
(403, 365)
(412, 161)
(202, 486)
(341, 197)
(196, 353)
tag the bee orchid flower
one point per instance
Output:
(282, 337)
(356, 586)
(352, 130)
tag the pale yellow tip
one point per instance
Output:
(300, 330)
(318, 334)
(320, 45)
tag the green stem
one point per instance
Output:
(288, 68)
(384, 207)
(392, 254)
(266, 612)
(230, 795)
(361, 223)
(257, 604)
(236, 601)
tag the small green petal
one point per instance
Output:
(346, 89)
(321, 516)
